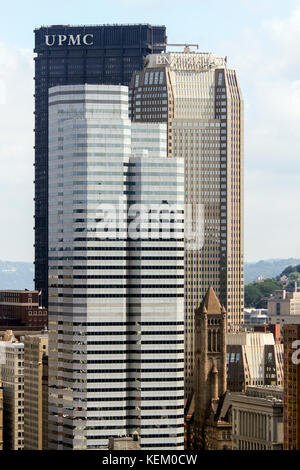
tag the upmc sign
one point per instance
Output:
(69, 40)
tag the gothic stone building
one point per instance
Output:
(207, 417)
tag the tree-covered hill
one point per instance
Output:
(255, 291)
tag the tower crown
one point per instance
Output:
(210, 304)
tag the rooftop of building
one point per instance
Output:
(98, 25)
(250, 338)
(261, 398)
(25, 291)
(15, 336)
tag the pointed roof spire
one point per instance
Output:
(210, 304)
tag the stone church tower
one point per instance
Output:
(209, 372)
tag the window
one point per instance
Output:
(278, 308)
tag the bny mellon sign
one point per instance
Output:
(186, 62)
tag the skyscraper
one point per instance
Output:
(291, 388)
(201, 102)
(77, 55)
(116, 291)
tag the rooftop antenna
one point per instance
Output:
(186, 46)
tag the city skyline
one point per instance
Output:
(146, 157)
(261, 49)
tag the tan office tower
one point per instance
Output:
(35, 349)
(201, 101)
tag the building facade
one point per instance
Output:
(124, 443)
(201, 102)
(12, 377)
(78, 55)
(35, 349)
(253, 359)
(116, 293)
(45, 403)
(207, 425)
(257, 418)
(254, 317)
(291, 392)
(274, 329)
(284, 307)
(21, 308)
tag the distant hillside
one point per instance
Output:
(269, 268)
(16, 275)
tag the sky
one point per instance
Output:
(261, 41)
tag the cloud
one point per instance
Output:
(268, 65)
(16, 152)
(286, 33)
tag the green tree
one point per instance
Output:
(255, 291)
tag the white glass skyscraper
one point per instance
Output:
(116, 282)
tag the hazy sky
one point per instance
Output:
(261, 40)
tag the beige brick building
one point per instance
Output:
(12, 376)
(35, 398)
(284, 307)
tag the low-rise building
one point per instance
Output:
(22, 308)
(253, 358)
(35, 349)
(284, 307)
(23, 374)
(12, 376)
(254, 316)
(124, 443)
(257, 418)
